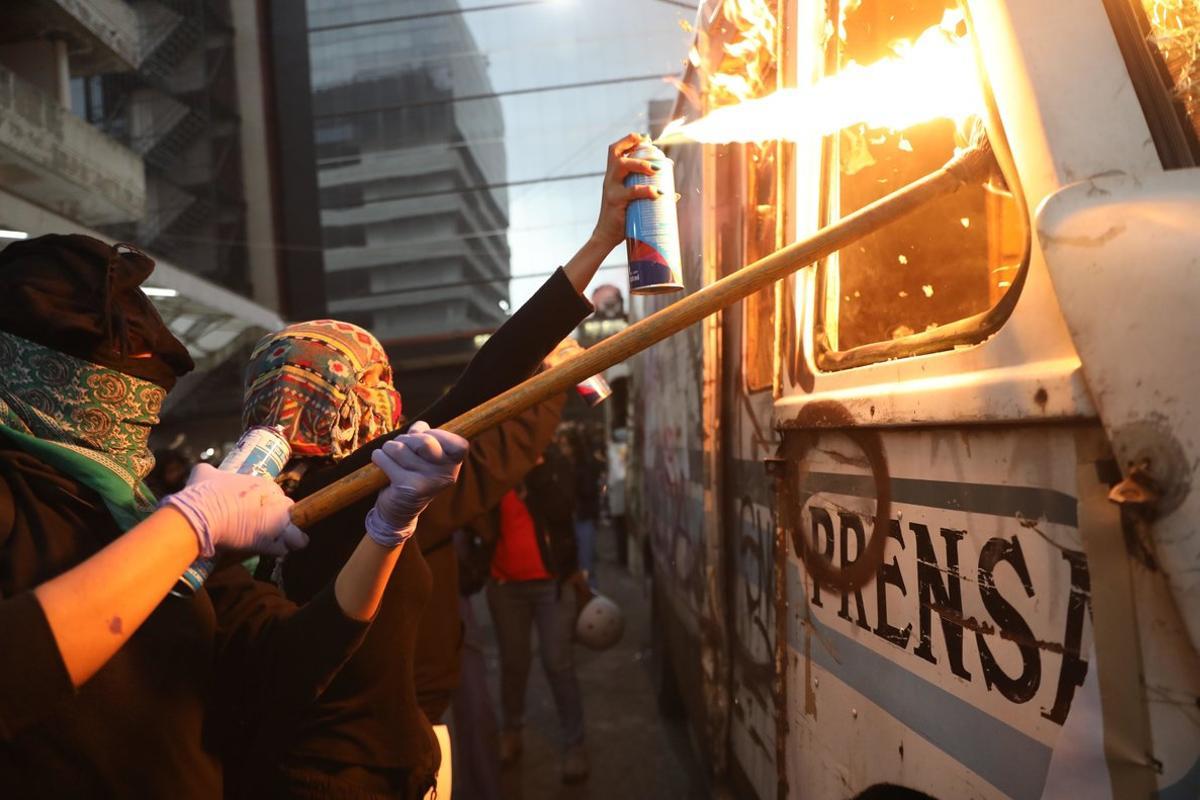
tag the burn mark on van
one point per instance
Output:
(854, 574)
(927, 571)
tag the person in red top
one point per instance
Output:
(517, 556)
(534, 561)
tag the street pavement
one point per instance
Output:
(634, 752)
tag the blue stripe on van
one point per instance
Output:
(1014, 763)
(1028, 502)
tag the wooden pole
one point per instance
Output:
(972, 166)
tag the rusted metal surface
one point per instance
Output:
(782, 661)
(859, 572)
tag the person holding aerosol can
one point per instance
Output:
(108, 685)
(370, 730)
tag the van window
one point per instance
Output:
(1160, 40)
(946, 262)
(1174, 32)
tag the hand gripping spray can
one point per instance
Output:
(652, 229)
(594, 390)
(261, 451)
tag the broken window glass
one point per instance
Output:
(955, 257)
(1174, 33)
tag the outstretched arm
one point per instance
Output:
(615, 196)
(419, 464)
(93, 608)
(513, 353)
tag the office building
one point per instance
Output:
(405, 138)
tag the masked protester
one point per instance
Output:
(108, 685)
(327, 386)
(369, 735)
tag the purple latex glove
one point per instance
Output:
(419, 464)
(231, 511)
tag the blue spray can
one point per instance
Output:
(262, 451)
(652, 229)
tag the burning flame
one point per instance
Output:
(749, 57)
(932, 77)
(742, 68)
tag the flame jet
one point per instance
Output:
(933, 77)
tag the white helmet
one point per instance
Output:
(600, 623)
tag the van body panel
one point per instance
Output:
(1021, 635)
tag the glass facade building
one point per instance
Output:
(408, 140)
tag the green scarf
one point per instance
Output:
(85, 420)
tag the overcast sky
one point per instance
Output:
(565, 132)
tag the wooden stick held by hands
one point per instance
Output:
(972, 167)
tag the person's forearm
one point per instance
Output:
(360, 583)
(96, 606)
(583, 265)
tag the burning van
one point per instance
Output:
(926, 514)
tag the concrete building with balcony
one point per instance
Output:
(123, 120)
(178, 110)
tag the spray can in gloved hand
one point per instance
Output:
(594, 390)
(652, 229)
(262, 451)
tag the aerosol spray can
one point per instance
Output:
(261, 451)
(594, 390)
(652, 229)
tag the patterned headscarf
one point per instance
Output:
(89, 421)
(328, 383)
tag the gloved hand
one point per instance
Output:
(419, 464)
(236, 512)
(563, 351)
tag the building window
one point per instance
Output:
(348, 195)
(348, 284)
(344, 236)
(951, 260)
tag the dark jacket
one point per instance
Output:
(369, 730)
(146, 724)
(588, 469)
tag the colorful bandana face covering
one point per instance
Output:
(327, 383)
(87, 421)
